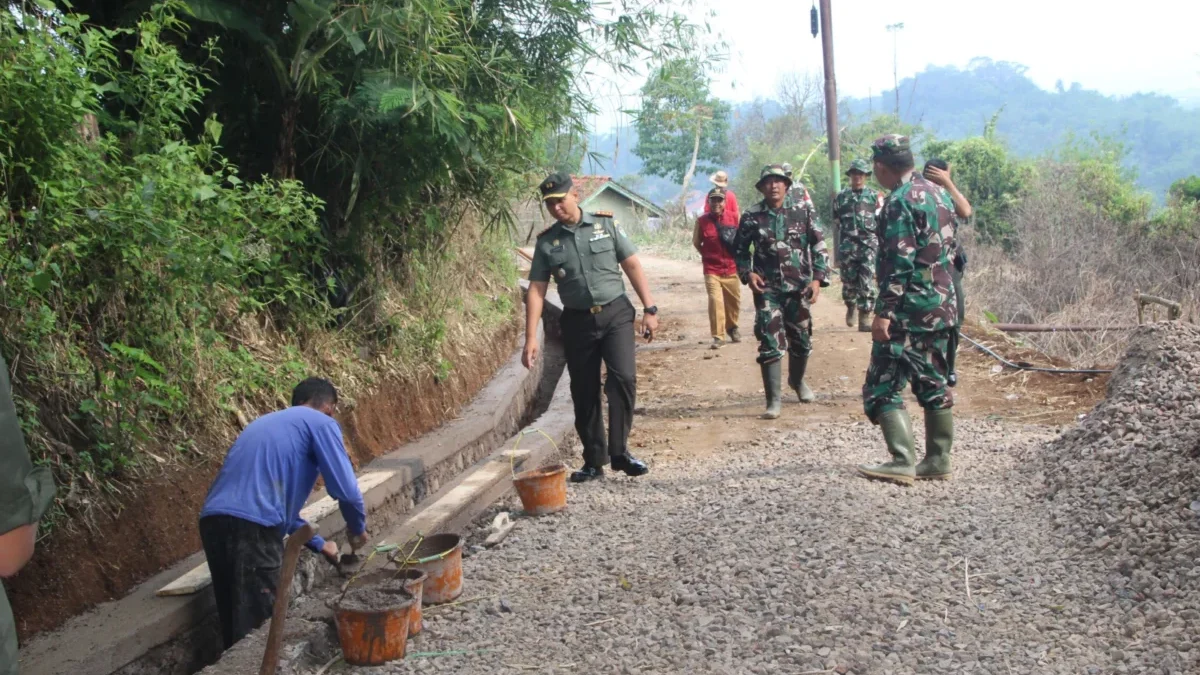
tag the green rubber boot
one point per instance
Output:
(772, 374)
(796, 367)
(850, 314)
(864, 321)
(939, 436)
(898, 434)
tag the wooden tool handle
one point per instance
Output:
(291, 553)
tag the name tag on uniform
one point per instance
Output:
(557, 248)
(600, 235)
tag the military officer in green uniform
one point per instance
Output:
(855, 209)
(915, 317)
(585, 253)
(25, 494)
(780, 253)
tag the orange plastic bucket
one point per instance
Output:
(371, 637)
(414, 581)
(543, 490)
(440, 558)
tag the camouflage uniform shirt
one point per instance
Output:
(856, 213)
(789, 247)
(916, 246)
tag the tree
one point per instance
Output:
(681, 126)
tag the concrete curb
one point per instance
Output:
(141, 633)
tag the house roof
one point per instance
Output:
(590, 186)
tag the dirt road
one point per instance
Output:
(752, 547)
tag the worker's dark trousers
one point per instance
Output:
(588, 339)
(244, 560)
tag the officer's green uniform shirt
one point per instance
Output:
(584, 260)
(25, 494)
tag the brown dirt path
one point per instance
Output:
(692, 399)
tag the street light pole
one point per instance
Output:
(894, 29)
(831, 114)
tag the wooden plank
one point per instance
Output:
(326, 506)
(198, 578)
(432, 517)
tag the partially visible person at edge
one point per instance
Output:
(585, 253)
(855, 209)
(938, 171)
(25, 494)
(720, 272)
(786, 271)
(256, 499)
(731, 213)
(797, 191)
(915, 316)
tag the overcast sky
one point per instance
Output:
(1113, 47)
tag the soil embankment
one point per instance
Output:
(157, 525)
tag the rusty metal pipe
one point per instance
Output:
(1046, 328)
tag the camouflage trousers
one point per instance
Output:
(919, 358)
(858, 278)
(782, 323)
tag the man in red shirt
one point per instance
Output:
(720, 271)
(732, 213)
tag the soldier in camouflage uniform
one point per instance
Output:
(915, 316)
(786, 271)
(855, 209)
(798, 193)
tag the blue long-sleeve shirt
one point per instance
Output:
(272, 467)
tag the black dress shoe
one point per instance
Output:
(630, 465)
(587, 473)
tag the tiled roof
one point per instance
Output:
(589, 185)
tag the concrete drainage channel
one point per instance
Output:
(440, 482)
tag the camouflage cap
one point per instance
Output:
(773, 170)
(891, 145)
(556, 186)
(787, 168)
(860, 165)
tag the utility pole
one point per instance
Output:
(894, 29)
(831, 115)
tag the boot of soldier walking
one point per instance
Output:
(796, 367)
(772, 375)
(850, 314)
(939, 436)
(898, 434)
(864, 321)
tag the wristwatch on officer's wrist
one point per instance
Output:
(651, 310)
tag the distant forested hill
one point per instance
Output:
(1161, 136)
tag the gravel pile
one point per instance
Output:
(1125, 484)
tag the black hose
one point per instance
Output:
(1010, 364)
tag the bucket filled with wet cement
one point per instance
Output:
(372, 619)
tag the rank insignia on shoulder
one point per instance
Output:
(551, 227)
(603, 214)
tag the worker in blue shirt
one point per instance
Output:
(256, 499)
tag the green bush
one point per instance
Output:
(127, 257)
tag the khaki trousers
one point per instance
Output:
(724, 301)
